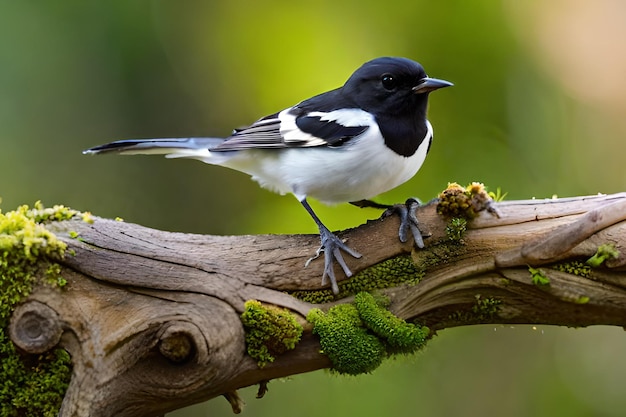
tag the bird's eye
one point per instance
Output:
(389, 81)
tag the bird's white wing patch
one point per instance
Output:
(291, 128)
(323, 128)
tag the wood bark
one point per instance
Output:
(151, 318)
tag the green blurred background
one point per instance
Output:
(538, 108)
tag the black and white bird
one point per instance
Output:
(346, 145)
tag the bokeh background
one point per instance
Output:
(538, 109)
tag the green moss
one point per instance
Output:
(539, 277)
(386, 274)
(483, 311)
(40, 214)
(583, 299)
(604, 253)
(270, 331)
(357, 337)
(347, 343)
(40, 393)
(32, 385)
(574, 268)
(486, 308)
(456, 228)
(402, 337)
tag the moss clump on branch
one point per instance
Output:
(484, 310)
(585, 269)
(270, 331)
(386, 274)
(401, 337)
(357, 337)
(604, 253)
(538, 277)
(347, 343)
(456, 229)
(32, 385)
(466, 202)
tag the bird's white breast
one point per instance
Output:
(359, 169)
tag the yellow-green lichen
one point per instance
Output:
(32, 385)
(574, 297)
(357, 337)
(604, 253)
(386, 274)
(87, 217)
(41, 214)
(538, 277)
(270, 331)
(575, 268)
(583, 299)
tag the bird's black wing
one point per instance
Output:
(320, 121)
(332, 132)
(262, 134)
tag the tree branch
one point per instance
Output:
(152, 319)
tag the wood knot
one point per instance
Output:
(35, 327)
(177, 342)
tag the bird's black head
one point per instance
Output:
(395, 91)
(391, 86)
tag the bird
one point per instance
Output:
(348, 144)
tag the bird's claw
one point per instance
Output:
(332, 247)
(408, 221)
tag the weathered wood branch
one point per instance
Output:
(152, 319)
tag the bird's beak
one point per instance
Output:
(427, 85)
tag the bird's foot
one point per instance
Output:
(332, 247)
(408, 220)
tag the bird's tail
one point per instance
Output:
(171, 148)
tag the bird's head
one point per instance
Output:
(387, 85)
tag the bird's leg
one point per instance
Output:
(408, 218)
(332, 247)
